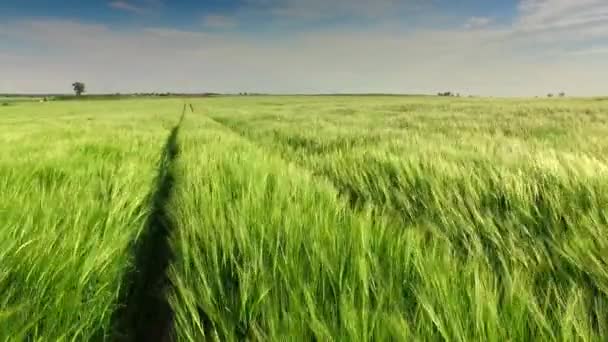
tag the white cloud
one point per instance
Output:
(477, 22)
(125, 6)
(591, 51)
(527, 57)
(323, 9)
(576, 16)
(220, 22)
(139, 7)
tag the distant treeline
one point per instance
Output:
(448, 93)
(106, 96)
(369, 94)
(119, 96)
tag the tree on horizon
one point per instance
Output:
(79, 88)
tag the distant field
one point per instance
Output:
(306, 218)
(7, 100)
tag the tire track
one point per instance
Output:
(144, 313)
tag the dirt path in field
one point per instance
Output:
(144, 313)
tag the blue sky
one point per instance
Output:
(486, 47)
(255, 14)
(127, 13)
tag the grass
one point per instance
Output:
(325, 218)
(75, 183)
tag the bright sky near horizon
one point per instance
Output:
(481, 47)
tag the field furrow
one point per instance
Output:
(145, 314)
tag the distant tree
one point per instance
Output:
(562, 94)
(549, 95)
(79, 88)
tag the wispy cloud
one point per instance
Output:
(125, 6)
(577, 16)
(590, 51)
(138, 7)
(323, 9)
(477, 22)
(220, 22)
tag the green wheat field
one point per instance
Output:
(320, 218)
